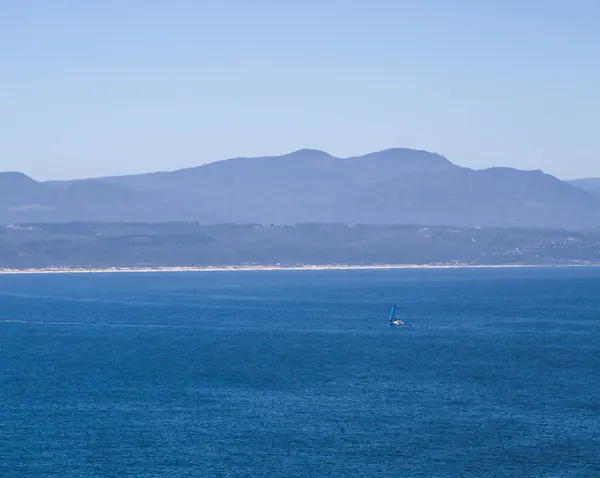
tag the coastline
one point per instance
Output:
(307, 267)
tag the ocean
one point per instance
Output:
(298, 374)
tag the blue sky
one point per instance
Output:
(115, 87)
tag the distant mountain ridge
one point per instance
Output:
(394, 186)
(591, 185)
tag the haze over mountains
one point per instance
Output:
(395, 186)
(591, 185)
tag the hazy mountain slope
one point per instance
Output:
(493, 197)
(591, 185)
(297, 187)
(23, 199)
(396, 186)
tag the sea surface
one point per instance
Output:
(298, 374)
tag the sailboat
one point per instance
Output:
(393, 319)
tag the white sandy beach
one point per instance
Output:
(321, 267)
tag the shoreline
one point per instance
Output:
(322, 267)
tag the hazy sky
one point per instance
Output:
(113, 86)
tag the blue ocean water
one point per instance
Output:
(496, 373)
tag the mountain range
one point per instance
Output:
(591, 185)
(394, 186)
